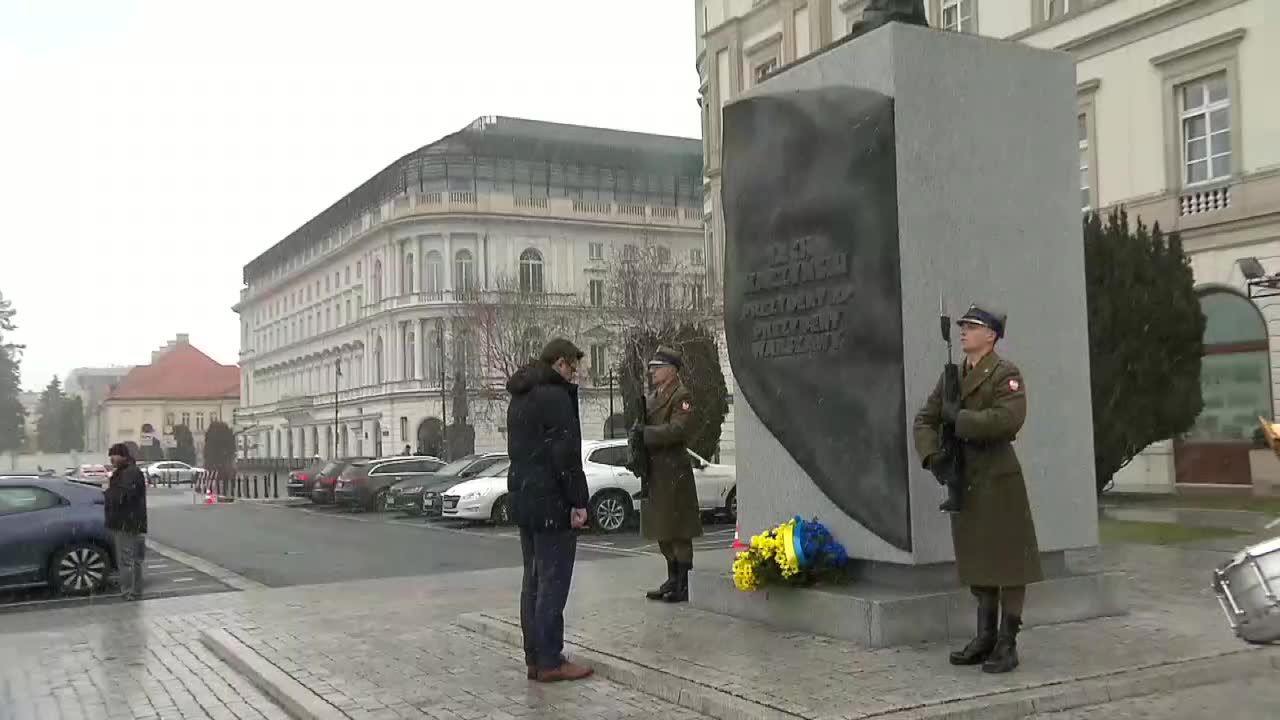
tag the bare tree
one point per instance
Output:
(495, 332)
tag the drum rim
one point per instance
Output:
(1266, 547)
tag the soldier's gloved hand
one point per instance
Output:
(935, 463)
(949, 411)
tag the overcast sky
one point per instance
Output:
(148, 150)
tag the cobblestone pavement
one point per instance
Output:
(386, 649)
(1255, 698)
(125, 670)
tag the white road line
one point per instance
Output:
(217, 572)
(182, 579)
(88, 599)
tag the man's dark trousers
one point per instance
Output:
(548, 571)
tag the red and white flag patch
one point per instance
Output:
(685, 406)
(1014, 385)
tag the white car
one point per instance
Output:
(609, 485)
(171, 472)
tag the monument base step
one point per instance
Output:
(876, 615)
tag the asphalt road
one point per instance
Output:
(282, 545)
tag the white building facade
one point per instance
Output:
(348, 325)
(1177, 122)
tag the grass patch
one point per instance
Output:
(1155, 533)
(1270, 505)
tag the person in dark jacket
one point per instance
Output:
(126, 518)
(548, 491)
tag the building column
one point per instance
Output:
(448, 262)
(422, 349)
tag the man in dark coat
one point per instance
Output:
(548, 492)
(995, 539)
(670, 515)
(126, 518)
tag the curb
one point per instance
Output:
(296, 699)
(1011, 705)
(217, 572)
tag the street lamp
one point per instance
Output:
(337, 373)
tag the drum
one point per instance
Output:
(1247, 588)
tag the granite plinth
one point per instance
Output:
(875, 615)
(976, 140)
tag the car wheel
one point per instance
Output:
(79, 569)
(731, 505)
(501, 513)
(610, 510)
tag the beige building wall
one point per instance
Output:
(123, 419)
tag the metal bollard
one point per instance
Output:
(255, 487)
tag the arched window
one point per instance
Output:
(410, 370)
(531, 271)
(408, 274)
(432, 361)
(377, 360)
(1235, 372)
(433, 276)
(464, 271)
(377, 281)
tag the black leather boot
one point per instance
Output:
(1004, 658)
(981, 646)
(680, 593)
(665, 588)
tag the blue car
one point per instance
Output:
(53, 532)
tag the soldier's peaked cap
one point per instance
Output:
(986, 317)
(667, 355)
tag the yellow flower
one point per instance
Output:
(744, 572)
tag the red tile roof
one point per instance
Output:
(183, 373)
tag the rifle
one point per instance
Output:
(948, 467)
(638, 461)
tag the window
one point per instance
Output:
(630, 252)
(377, 360)
(1082, 132)
(432, 279)
(1054, 9)
(599, 363)
(698, 296)
(664, 295)
(464, 271)
(408, 274)
(410, 369)
(358, 270)
(597, 293)
(595, 251)
(614, 455)
(1206, 129)
(957, 15)
(348, 274)
(404, 428)
(376, 280)
(199, 421)
(168, 420)
(696, 257)
(531, 271)
(328, 318)
(761, 71)
(15, 500)
(186, 419)
(348, 304)
(664, 254)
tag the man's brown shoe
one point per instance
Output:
(566, 671)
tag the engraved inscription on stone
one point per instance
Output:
(797, 302)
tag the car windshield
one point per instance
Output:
(457, 466)
(497, 469)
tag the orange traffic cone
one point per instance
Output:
(737, 540)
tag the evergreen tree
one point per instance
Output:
(72, 424)
(219, 447)
(701, 374)
(49, 434)
(12, 414)
(185, 450)
(1145, 339)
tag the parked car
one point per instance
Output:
(421, 495)
(365, 484)
(53, 532)
(611, 484)
(171, 472)
(483, 497)
(300, 482)
(94, 474)
(320, 486)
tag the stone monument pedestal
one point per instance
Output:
(861, 185)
